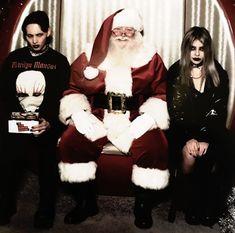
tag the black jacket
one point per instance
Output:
(201, 116)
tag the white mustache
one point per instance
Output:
(121, 38)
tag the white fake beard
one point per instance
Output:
(124, 55)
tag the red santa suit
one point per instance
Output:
(124, 105)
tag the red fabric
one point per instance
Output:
(114, 175)
(148, 151)
(114, 171)
(147, 80)
(101, 44)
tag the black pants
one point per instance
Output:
(21, 152)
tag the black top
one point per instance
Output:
(55, 68)
(201, 116)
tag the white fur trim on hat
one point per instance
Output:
(77, 172)
(128, 18)
(90, 72)
(72, 103)
(157, 109)
(150, 178)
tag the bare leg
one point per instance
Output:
(188, 161)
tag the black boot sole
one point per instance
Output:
(78, 215)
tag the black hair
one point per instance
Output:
(40, 18)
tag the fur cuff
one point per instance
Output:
(77, 172)
(72, 103)
(150, 178)
(157, 109)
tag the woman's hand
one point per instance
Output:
(192, 147)
(203, 146)
(190, 152)
(195, 148)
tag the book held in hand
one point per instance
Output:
(22, 122)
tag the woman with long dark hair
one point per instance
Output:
(197, 96)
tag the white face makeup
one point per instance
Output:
(197, 52)
(36, 38)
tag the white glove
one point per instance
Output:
(136, 129)
(82, 122)
(89, 125)
(99, 129)
(90, 72)
(141, 125)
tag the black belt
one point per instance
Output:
(115, 102)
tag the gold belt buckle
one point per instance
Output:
(110, 95)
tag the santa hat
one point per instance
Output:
(124, 17)
(128, 18)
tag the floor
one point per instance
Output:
(115, 216)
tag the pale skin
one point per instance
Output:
(191, 151)
(36, 39)
(196, 57)
(194, 148)
(123, 35)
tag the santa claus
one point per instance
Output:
(117, 94)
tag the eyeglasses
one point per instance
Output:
(127, 31)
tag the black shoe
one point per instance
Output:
(209, 221)
(192, 219)
(143, 215)
(5, 215)
(44, 218)
(80, 213)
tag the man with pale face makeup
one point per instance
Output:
(33, 79)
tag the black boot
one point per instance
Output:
(45, 214)
(191, 194)
(7, 208)
(6, 212)
(143, 208)
(85, 196)
(8, 193)
(44, 218)
(212, 202)
(49, 183)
